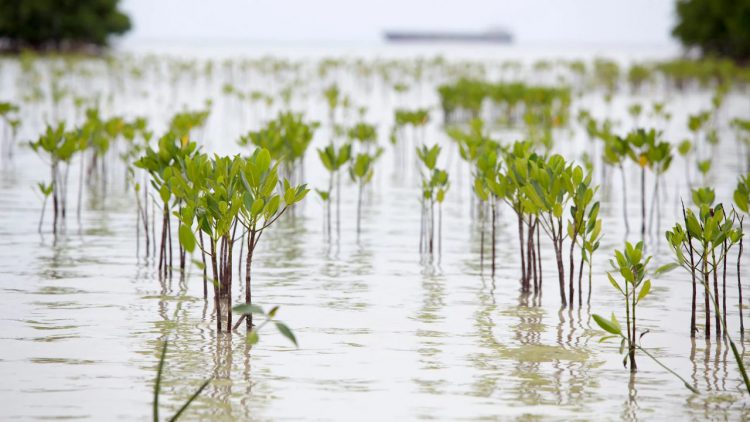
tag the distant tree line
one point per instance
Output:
(59, 24)
(715, 27)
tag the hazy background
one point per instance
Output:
(635, 23)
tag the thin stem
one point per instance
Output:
(157, 384)
(190, 400)
(687, 385)
(624, 199)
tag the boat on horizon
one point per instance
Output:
(493, 36)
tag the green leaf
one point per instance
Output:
(666, 268)
(257, 207)
(614, 283)
(252, 338)
(164, 193)
(644, 290)
(607, 325)
(289, 196)
(247, 308)
(286, 332)
(198, 264)
(263, 160)
(272, 206)
(741, 200)
(187, 238)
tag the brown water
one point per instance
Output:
(382, 334)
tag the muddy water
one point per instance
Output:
(383, 333)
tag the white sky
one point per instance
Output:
(621, 22)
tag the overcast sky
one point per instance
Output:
(623, 22)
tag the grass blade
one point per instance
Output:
(157, 384)
(190, 400)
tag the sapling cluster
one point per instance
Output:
(162, 164)
(701, 247)
(220, 194)
(540, 190)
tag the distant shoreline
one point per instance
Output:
(492, 37)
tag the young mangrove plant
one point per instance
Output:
(361, 170)
(8, 116)
(582, 223)
(632, 267)
(262, 206)
(644, 149)
(365, 134)
(434, 186)
(333, 160)
(489, 190)
(162, 164)
(57, 147)
(413, 121)
(211, 194)
(615, 153)
(590, 240)
(286, 138)
(332, 95)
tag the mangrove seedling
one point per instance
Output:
(631, 266)
(162, 164)
(612, 326)
(57, 147)
(262, 206)
(434, 186)
(333, 160)
(583, 213)
(361, 171)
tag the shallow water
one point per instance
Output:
(383, 335)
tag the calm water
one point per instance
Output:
(382, 334)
